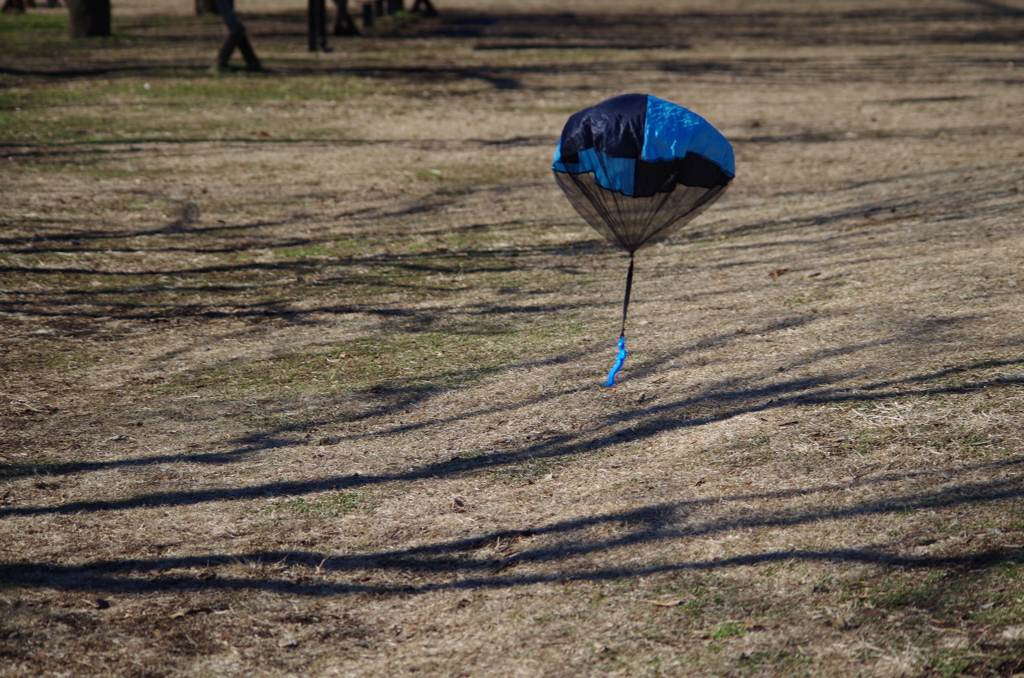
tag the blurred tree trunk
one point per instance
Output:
(89, 18)
(317, 16)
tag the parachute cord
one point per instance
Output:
(629, 288)
(621, 357)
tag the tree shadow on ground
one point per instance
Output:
(718, 402)
(474, 560)
(883, 204)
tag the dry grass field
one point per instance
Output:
(301, 371)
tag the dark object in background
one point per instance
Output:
(206, 7)
(317, 20)
(343, 23)
(89, 18)
(19, 6)
(425, 7)
(236, 38)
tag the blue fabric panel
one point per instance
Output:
(614, 174)
(671, 131)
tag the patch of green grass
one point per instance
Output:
(527, 471)
(864, 445)
(23, 34)
(386, 364)
(694, 606)
(12, 23)
(55, 361)
(1006, 660)
(948, 664)
(164, 107)
(253, 89)
(331, 505)
(187, 90)
(728, 629)
(328, 506)
(819, 293)
(303, 252)
(989, 596)
(901, 592)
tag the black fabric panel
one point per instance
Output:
(634, 222)
(661, 176)
(614, 126)
(696, 170)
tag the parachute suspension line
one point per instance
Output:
(621, 357)
(629, 288)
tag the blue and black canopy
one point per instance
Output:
(638, 168)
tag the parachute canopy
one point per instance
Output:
(637, 168)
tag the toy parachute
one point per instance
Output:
(637, 168)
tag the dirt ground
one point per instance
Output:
(301, 371)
